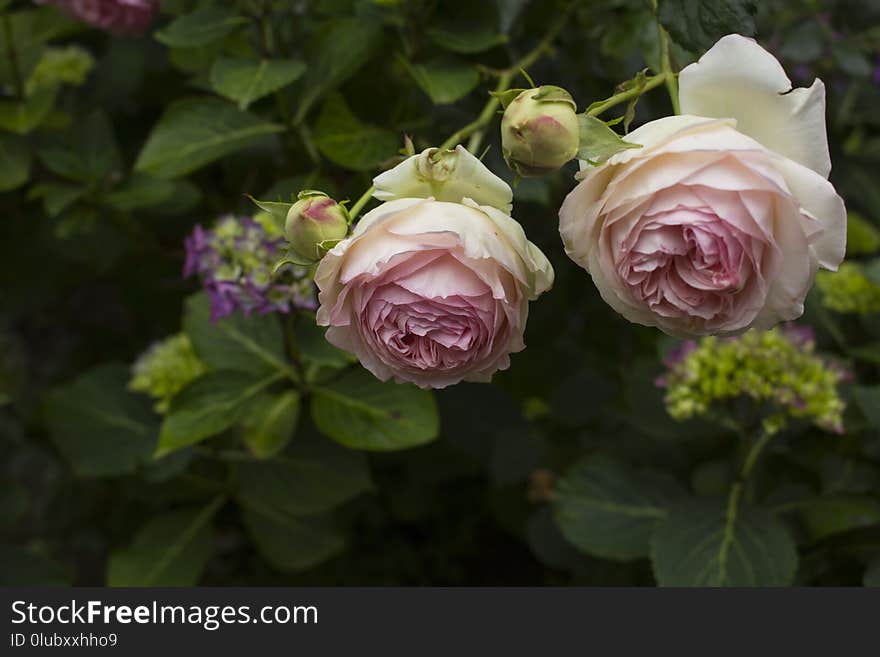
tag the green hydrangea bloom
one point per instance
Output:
(848, 290)
(68, 65)
(778, 367)
(165, 368)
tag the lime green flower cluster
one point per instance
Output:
(69, 65)
(848, 290)
(778, 367)
(165, 368)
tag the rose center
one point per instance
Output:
(683, 260)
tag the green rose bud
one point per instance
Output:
(313, 223)
(539, 131)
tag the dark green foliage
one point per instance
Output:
(284, 462)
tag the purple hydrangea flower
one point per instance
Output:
(235, 260)
(799, 334)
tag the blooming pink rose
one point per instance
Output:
(720, 220)
(122, 16)
(431, 292)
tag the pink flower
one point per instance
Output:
(431, 292)
(720, 220)
(121, 16)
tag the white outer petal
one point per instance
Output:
(738, 79)
(469, 179)
(818, 197)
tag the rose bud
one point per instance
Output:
(314, 219)
(539, 131)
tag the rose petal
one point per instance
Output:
(738, 79)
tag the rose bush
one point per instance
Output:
(167, 430)
(720, 220)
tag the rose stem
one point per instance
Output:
(476, 126)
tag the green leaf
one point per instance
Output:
(277, 209)
(67, 65)
(251, 344)
(862, 236)
(140, 191)
(199, 28)
(22, 567)
(171, 550)
(196, 61)
(507, 96)
(466, 41)
(598, 142)
(827, 516)
(345, 140)
(608, 509)
(868, 400)
(872, 574)
(345, 47)
(88, 153)
(196, 131)
(99, 427)
(870, 353)
(15, 162)
(312, 476)
(23, 117)
(292, 544)
(361, 412)
(29, 32)
(697, 24)
(313, 345)
(248, 80)
(57, 197)
(207, 406)
(269, 422)
(443, 81)
(698, 546)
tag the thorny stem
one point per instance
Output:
(666, 63)
(666, 67)
(623, 96)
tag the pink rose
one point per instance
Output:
(122, 16)
(720, 220)
(431, 292)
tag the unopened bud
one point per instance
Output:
(315, 219)
(539, 131)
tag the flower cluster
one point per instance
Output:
(165, 368)
(235, 260)
(121, 16)
(849, 290)
(778, 367)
